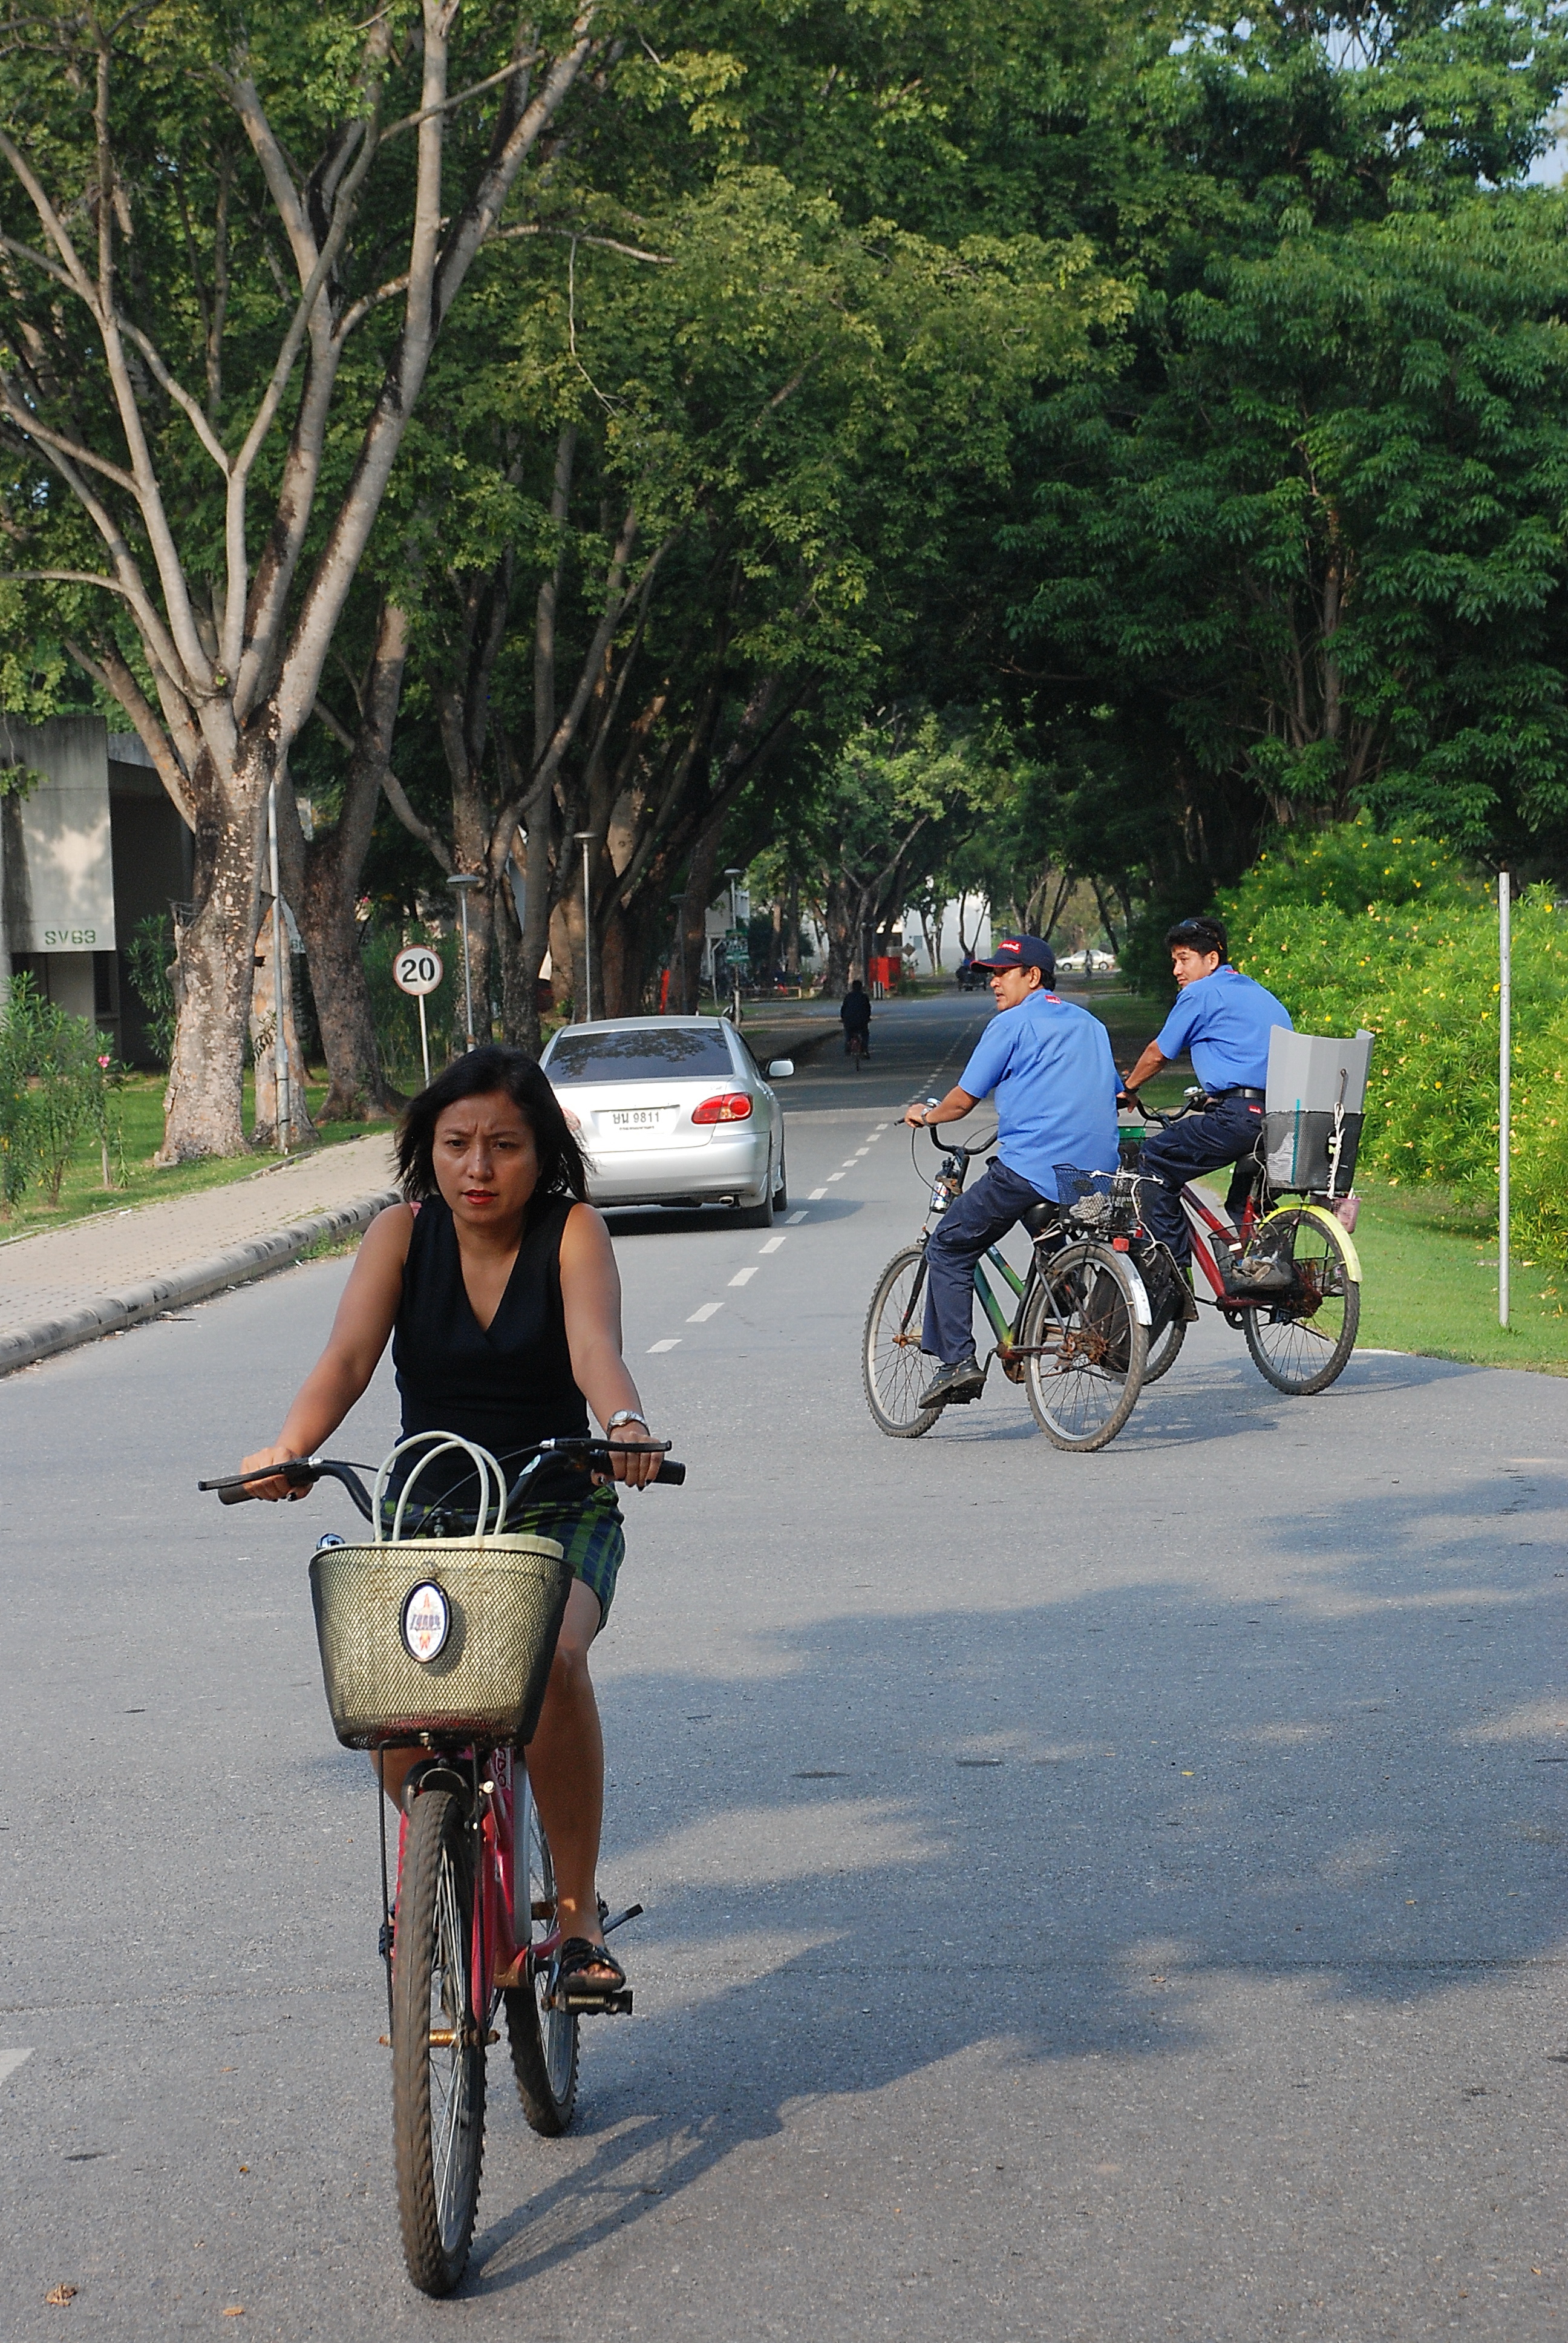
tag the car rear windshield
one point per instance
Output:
(661, 1054)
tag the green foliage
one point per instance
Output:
(1419, 967)
(57, 1081)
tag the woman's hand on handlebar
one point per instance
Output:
(272, 1489)
(636, 1471)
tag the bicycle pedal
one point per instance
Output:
(597, 2005)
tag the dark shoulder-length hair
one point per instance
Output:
(561, 1169)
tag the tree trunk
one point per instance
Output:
(204, 1102)
(327, 889)
(302, 1132)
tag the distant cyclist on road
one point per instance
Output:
(1222, 1022)
(1055, 1080)
(856, 1018)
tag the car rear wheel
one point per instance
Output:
(781, 1193)
(759, 1216)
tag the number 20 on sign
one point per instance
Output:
(417, 970)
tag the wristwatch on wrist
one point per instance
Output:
(625, 1415)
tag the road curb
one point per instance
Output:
(112, 1313)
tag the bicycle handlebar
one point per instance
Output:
(588, 1454)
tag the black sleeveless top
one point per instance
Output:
(505, 1385)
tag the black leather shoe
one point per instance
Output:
(964, 1380)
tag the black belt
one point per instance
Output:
(1239, 1091)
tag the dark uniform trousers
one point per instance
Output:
(974, 1221)
(1200, 1142)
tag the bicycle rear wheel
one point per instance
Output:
(1301, 1345)
(1090, 1345)
(544, 2041)
(891, 1361)
(438, 2046)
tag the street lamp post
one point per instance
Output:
(585, 839)
(462, 880)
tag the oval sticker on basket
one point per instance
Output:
(425, 1620)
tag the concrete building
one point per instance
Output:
(93, 847)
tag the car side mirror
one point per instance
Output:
(780, 1069)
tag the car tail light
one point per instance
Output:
(734, 1106)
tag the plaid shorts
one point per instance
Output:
(588, 1532)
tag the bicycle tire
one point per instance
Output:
(1081, 1396)
(1290, 1349)
(544, 2042)
(437, 2085)
(1165, 1351)
(892, 1365)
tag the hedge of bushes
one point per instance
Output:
(1352, 929)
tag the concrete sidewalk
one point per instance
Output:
(93, 1277)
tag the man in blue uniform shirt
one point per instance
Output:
(1051, 1067)
(1222, 1022)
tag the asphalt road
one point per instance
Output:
(1108, 1898)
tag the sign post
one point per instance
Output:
(417, 970)
(1504, 1085)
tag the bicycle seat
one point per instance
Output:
(1040, 1217)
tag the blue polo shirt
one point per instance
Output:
(1222, 1023)
(1055, 1080)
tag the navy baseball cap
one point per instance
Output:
(1021, 951)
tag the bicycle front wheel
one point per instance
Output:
(1088, 1346)
(438, 2046)
(891, 1361)
(1300, 1345)
(544, 2041)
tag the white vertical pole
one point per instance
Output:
(424, 1041)
(1505, 1025)
(282, 1106)
(587, 837)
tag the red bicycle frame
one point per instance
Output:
(502, 1953)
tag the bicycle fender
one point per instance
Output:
(1320, 1212)
(1139, 1291)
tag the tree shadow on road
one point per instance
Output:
(1056, 1833)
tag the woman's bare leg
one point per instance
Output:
(566, 1768)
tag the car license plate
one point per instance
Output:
(636, 1118)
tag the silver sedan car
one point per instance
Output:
(673, 1111)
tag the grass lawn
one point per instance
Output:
(1429, 1264)
(142, 1116)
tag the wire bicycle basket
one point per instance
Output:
(1099, 1204)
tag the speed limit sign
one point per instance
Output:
(417, 970)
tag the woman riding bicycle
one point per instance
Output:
(497, 1284)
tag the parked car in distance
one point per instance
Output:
(673, 1111)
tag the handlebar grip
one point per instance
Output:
(673, 1476)
(238, 1497)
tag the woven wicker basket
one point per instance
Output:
(504, 1600)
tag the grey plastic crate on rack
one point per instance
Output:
(1313, 1110)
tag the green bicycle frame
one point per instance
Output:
(1000, 1324)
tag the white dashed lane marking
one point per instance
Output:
(10, 2060)
(706, 1309)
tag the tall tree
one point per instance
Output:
(200, 214)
